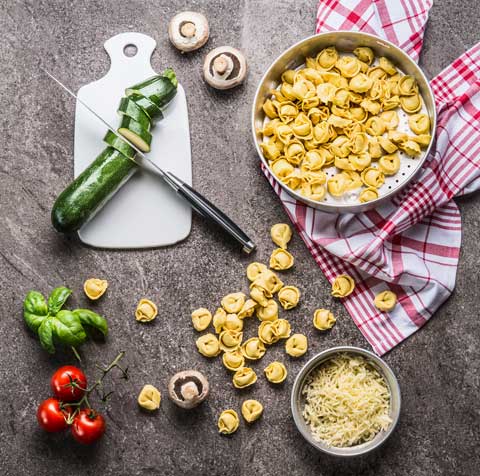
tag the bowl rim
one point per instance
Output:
(316, 360)
(335, 207)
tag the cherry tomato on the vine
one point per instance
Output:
(68, 383)
(88, 426)
(51, 415)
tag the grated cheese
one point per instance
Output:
(347, 402)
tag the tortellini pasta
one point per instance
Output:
(233, 360)
(254, 270)
(296, 345)
(253, 349)
(233, 323)
(219, 319)
(289, 297)
(244, 377)
(281, 259)
(281, 328)
(95, 288)
(269, 282)
(228, 422)
(269, 312)
(342, 286)
(252, 410)
(276, 372)
(146, 311)
(149, 398)
(201, 319)
(323, 319)
(233, 303)
(385, 301)
(338, 114)
(281, 234)
(230, 340)
(208, 345)
(266, 333)
(248, 309)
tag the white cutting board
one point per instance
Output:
(145, 212)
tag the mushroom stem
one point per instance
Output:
(188, 30)
(189, 391)
(220, 64)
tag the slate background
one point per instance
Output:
(438, 368)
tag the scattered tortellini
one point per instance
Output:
(230, 340)
(342, 286)
(219, 319)
(228, 422)
(269, 312)
(323, 319)
(339, 111)
(149, 398)
(281, 234)
(252, 410)
(201, 319)
(254, 270)
(296, 345)
(95, 288)
(281, 328)
(385, 301)
(146, 311)
(248, 309)
(233, 323)
(253, 349)
(266, 333)
(208, 345)
(289, 297)
(233, 303)
(233, 360)
(281, 259)
(276, 372)
(244, 377)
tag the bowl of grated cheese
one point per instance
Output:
(346, 401)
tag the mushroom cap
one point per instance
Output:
(224, 67)
(188, 388)
(188, 31)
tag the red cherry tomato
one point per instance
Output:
(68, 383)
(88, 426)
(51, 415)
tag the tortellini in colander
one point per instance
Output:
(244, 377)
(233, 303)
(201, 319)
(228, 422)
(289, 297)
(252, 410)
(339, 111)
(385, 301)
(323, 319)
(233, 360)
(146, 310)
(296, 345)
(253, 349)
(281, 259)
(281, 234)
(342, 286)
(276, 372)
(208, 345)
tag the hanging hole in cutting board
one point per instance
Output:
(130, 50)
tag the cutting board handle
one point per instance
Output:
(119, 61)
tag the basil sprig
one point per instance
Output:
(52, 324)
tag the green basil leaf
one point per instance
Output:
(68, 328)
(57, 299)
(90, 318)
(35, 309)
(45, 334)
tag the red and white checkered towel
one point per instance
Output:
(411, 244)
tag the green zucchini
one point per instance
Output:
(135, 133)
(148, 107)
(119, 144)
(158, 89)
(85, 196)
(129, 108)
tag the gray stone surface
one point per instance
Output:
(438, 368)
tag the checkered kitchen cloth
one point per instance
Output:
(411, 244)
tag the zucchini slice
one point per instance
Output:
(148, 107)
(129, 108)
(118, 144)
(135, 133)
(159, 89)
(87, 194)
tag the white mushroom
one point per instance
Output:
(188, 31)
(188, 389)
(224, 67)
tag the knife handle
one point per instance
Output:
(207, 209)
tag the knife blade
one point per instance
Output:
(197, 201)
